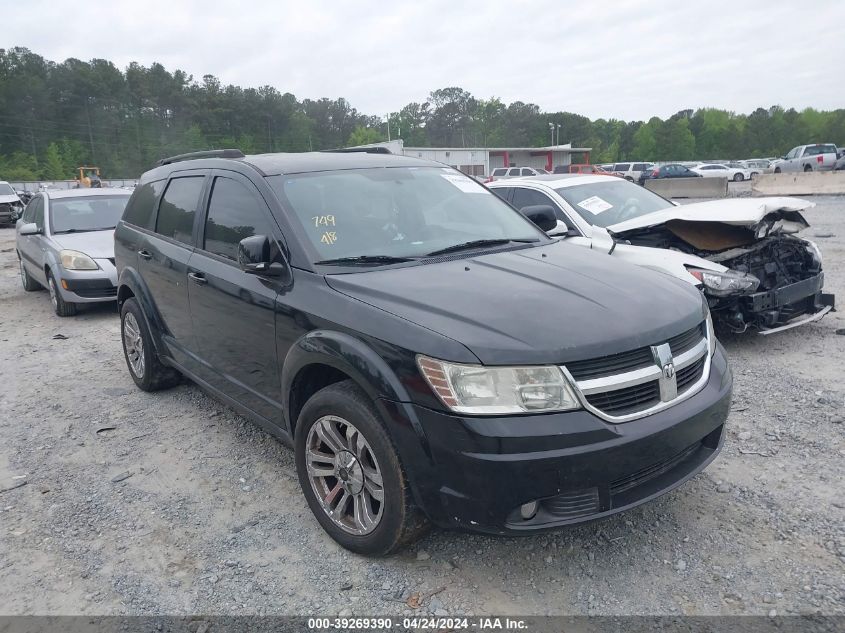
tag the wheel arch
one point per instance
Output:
(323, 357)
(131, 284)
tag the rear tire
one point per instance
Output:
(148, 372)
(60, 306)
(335, 473)
(28, 283)
(629, 179)
(807, 168)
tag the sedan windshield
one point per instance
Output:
(77, 215)
(381, 215)
(612, 201)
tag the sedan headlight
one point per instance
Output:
(725, 283)
(498, 390)
(814, 251)
(74, 260)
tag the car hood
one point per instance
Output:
(95, 244)
(4, 199)
(765, 216)
(547, 304)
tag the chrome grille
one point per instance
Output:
(633, 359)
(640, 382)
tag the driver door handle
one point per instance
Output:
(198, 278)
(145, 254)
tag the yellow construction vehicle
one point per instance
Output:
(88, 177)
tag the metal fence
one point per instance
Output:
(38, 185)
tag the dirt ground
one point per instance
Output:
(170, 503)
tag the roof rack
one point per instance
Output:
(211, 153)
(363, 150)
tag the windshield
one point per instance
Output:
(6, 190)
(86, 214)
(610, 202)
(397, 211)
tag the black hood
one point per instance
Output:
(548, 304)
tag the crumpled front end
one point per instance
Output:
(789, 293)
(763, 275)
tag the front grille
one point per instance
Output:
(627, 400)
(690, 374)
(655, 470)
(631, 360)
(629, 383)
(573, 504)
(96, 293)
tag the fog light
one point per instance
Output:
(528, 510)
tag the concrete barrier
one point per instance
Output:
(799, 184)
(688, 187)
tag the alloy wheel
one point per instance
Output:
(134, 345)
(344, 474)
(54, 294)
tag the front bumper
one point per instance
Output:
(776, 310)
(475, 473)
(89, 286)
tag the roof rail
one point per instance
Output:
(211, 153)
(363, 150)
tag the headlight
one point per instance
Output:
(74, 260)
(814, 251)
(498, 390)
(725, 283)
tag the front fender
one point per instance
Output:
(345, 353)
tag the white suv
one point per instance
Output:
(631, 171)
(501, 173)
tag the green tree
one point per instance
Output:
(53, 166)
(363, 136)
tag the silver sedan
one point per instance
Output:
(65, 243)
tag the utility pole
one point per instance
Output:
(557, 142)
(552, 130)
(388, 127)
(90, 134)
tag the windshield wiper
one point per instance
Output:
(365, 259)
(102, 228)
(476, 243)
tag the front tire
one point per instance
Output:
(60, 306)
(148, 372)
(28, 283)
(738, 177)
(351, 475)
(777, 170)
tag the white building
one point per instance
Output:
(480, 161)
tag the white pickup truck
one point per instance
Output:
(818, 157)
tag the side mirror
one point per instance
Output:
(543, 215)
(30, 228)
(254, 257)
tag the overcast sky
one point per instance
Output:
(600, 58)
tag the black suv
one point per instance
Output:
(431, 355)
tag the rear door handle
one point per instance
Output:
(145, 254)
(198, 278)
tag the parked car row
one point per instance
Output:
(435, 354)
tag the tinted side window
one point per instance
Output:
(29, 212)
(499, 172)
(526, 197)
(639, 167)
(178, 207)
(502, 192)
(513, 172)
(233, 214)
(528, 172)
(139, 209)
(38, 213)
(622, 166)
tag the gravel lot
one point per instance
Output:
(210, 518)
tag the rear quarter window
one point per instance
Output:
(139, 209)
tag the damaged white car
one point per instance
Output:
(743, 253)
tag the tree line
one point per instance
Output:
(57, 116)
